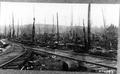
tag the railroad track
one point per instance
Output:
(74, 53)
(72, 57)
(16, 62)
(20, 61)
(85, 54)
(97, 56)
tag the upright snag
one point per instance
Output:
(53, 26)
(9, 31)
(13, 31)
(33, 28)
(84, 32)
(39, 30)
(5, 31)
(71, 23)
(104, 19)
(89, 27)
(18, 30)
(57, 28)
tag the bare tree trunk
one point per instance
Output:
(84, 32)
(57, 28)
(18, 30)
(33, 30)
(53, 26)
(13, 33)
(71, 23)
(104, 19)
(45, 25)
(9, 31)
(89, 27)
(39, 30)
(5, 31)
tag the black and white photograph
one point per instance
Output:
(65, 37)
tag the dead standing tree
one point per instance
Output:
(33, 27)
(13, 31)
(71, 30)
(9, 35)
(5, 31)
(89, 28)
(33, 30)
(57, 28)
(18, 30)
(53, 30)
(84, 32)
(57, 42)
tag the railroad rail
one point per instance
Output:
(87, 54)
(21, 66)
(97, 56)
(13, 61)
(73, 57)
(75, 53)
(1, 65)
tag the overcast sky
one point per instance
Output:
(44, 12)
